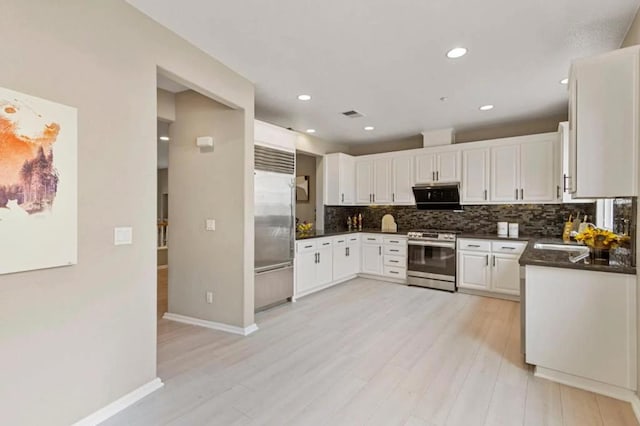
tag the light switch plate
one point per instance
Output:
(122, 236)
(210, 225)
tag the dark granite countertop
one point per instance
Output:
(524, 238)
(619, 263)
(320, 234)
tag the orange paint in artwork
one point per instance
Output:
(10, 110)
(16, 149)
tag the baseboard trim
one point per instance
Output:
(323, 287)
(488, 294)
(211, 324)
(601, 388)
(120, 404)
(635, 405)
(383, 278)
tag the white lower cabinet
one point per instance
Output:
(490, 266)
(314, 265)
(323, 262)
(346, 257)
(372, 258)
(582, 325)
(473, 270)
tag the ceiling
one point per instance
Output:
(388, 60)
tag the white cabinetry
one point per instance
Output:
(439, 166)
(346, 256)
(604, 125)
(582, 324)
(314, 264)
(372, 259)
(339, 180)
(505, 173)
(490, 266)
(403, 180)
(382, 181)
(364, 182)
(525, 171)
(475, 176)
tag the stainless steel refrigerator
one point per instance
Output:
(274, 226)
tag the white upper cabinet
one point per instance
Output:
(448, 166)
(505, 173)
(526, 170)
(438, 167)
(426, 168)
(403, 181)
(538, 182)
(604, 119)
(339, 180)
(475, 176)
(382, 181)
(364, 182)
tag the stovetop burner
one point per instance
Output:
(432, 234)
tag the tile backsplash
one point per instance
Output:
(534, 219)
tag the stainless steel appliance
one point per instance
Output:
(432, 259)
(437, 196)
(274, 186)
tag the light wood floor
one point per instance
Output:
(364, 352)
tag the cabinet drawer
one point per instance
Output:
(393, 272)
(395, 250)
(353, 239)
(510, 247)
(395, 241)
(323, 243)
(397, 261)
(372, 239)
(474, 245)
(306, 246)
(340, 241)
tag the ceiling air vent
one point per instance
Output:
(352, 114)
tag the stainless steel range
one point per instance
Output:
(432, 259)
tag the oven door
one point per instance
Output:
(432, 259)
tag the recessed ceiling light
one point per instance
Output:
(564, 81)
(311, 130)
(369, 128)
(456, 52)
(486, 107)
(304, 97)
(444, 99)
(164, 138)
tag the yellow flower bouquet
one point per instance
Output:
(599, 238)
(305, 227)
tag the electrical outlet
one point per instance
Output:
(209, 297)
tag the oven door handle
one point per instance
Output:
(432, 244)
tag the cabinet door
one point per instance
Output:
(505, 274)
(505, 173)
(448, 167)
(382, 181)
(324, 268)
(305, 271)
(475, 176)
(331, 172)
(353, 259)
(606, 125)
(347, 178)
(425, 168)
(538, 174)
(403, 181)
(473, 270)
(372, 259)
(341, 267)
(364, 182)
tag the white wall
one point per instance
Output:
(205, 185)
(74, 339)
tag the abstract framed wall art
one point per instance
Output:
(38, 183)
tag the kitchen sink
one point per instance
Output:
(560, 247)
